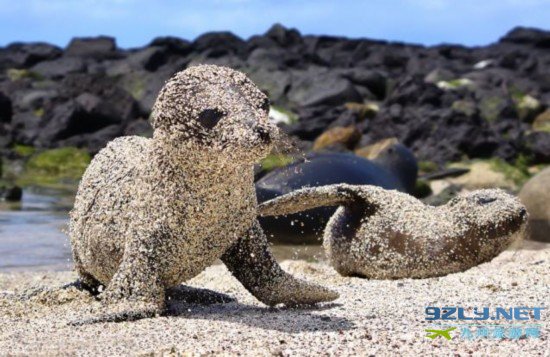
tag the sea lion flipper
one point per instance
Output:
(137, 279)
(311, 197)
(252, 263)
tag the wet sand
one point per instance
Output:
(370, 318)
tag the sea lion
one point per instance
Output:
(384, 234)
(393, 168)
(152, 213)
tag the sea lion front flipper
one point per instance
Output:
(313, 197)
(135, 291)
(252, 263)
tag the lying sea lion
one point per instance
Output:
(394, 168)
(152, 213)
(384, 234)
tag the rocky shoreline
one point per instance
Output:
(445, 102)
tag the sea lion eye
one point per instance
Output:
(208, 118)
(485, 200)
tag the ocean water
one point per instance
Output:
(33, 238)
(32, 232)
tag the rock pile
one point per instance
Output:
(444, 102)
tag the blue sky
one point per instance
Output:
(136, 22)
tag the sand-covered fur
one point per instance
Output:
(386, 234)
(152, 213)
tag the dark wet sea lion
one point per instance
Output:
(385, 234)
(394, 168)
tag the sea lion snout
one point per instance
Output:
(520, 220)
(523, 213)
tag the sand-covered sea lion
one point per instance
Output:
(152, 213)
(385, 234)
(393, 168)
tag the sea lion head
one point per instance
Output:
(215, 111)
(399, 160)
(490, 213)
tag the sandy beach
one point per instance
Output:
(370, 318)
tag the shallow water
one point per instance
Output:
(32, 234)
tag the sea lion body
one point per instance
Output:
(395, 169)
(152, 213)
(191, 233)
(385, 234)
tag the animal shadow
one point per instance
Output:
(204, 304)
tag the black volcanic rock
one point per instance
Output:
(149, 58)
(445, 102)
(34, 98)
(66, 120)
(96, 47)
(24, 55)
(5, 109)
(313, 121)
(538, 144)
(284, 37)
(172, 44)
(93, 141)
(318, 86)
(219, 44)
(60, 67)
(25, 127)
(529, 36)
(5, 137)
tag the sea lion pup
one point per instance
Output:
(383, 234)
(152, 213)
(394, 168)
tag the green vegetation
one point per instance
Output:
(135, 85)
(273, 161)
(422, 189)
(528, 107)
(542, 122)
(427, 166)
(39, 112)
(23, 150)
(55, 167)
(490, 108)
(515, 92)
(292, 117)
(455, 84)
(517, 172)
(465, 107)
(364, 110)
(18, 74)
